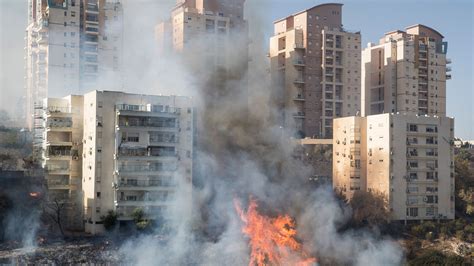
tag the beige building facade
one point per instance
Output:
(315, 70)
(61, 149)
(409, 158)
(69, 49)
(138, 151)
(211, 37)
(114, 151)
(406, 72)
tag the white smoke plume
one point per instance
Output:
(241, 152)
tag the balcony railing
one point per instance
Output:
(299, 115)
(299, 62)
(146, 183)
(299, 81)
(148, 108)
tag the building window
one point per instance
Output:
(413, 128)
(98, 194)
(73, 34)
(65, 13)
(431, 211)
(412, 212)
(73, 13)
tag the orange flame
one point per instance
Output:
(272, 240)
(34, 194)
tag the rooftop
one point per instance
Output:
(306, 10)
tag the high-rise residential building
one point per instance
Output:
(138, 151)
(402, 145)
(114, 151)
(101, 44)
(211, 36)
(315, 69)
(408, 158)
(61, 158)
(71, 45)
(406, 72)
(52, 51)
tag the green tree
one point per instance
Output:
(464, 190)
(140, 220)
(110, 220)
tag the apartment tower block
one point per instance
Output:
(114, 151)
(402, 145)
(315, 70)
(71, 45)
(406, 72)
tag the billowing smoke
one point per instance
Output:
(240, 152)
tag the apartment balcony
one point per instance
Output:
(58, 111)
(299, 115)
(147, 110)
(92, 19)
(57, 170)
(145, 185)
(423, 97)
(448, 61)
(423, 73)
(448, 69)
(448, 76)
(63, 127)
(58, 143)
(42, 38)
(169, 143)
(298, 46)
(329, 43)
(422, 80)
(57, 184)
(329, 56)
(92, 9)
(299, 98)
(145, 156)
(146, 169)
(423, 65)
(138, 203)
(299, 81)
(91, 62)
(58, 154)
(299, 63)
(422, 88)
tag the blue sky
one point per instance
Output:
(453, 18)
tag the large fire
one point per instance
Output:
(272, 240)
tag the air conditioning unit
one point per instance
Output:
(425, 199)
(75, 158)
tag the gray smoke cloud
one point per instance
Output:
(241, 152)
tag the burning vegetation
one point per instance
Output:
(272, 240)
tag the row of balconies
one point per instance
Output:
(150, 152)
(148, 167)
(134, 183)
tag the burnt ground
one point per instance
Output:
(101, 251)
